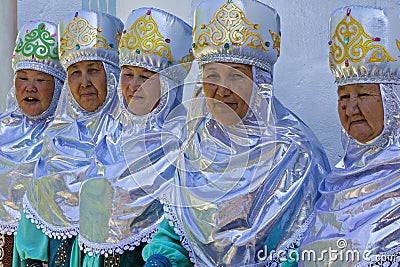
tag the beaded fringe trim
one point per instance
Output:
(52, 231)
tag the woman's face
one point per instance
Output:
(34, 91)
(228, 88)
(361, 111)
(88, 82)
(141, 89)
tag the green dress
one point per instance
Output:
(167, 243)
(32, 247)
(127, 259)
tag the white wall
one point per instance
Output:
(52, 11)
(303, 81)
(8, 29)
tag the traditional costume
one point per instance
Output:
(120, 211)
(50, 218)
(21, 134)
(358, 215)
(245, 187)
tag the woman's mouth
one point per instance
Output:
(220, 104)
(31, 99)
(357, 122)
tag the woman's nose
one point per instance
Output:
(224, 88)
(85, 80)
(31, 85)
(134, 83)
(352, 106)
(223, 91)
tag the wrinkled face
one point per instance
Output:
(34, 91)
(361, 111)
(88, 82)
(228, 88)
(141, 89)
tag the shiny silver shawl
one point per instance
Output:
(243, 188)
(52, 199)
(359, 210)
(138, 166)
(20, 143)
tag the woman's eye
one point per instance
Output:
(93, 70)
(344, 97)
(237, 76)
(211, 76)
(144, 77)
(363, 95)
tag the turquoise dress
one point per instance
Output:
(32, 246)
(167, 243)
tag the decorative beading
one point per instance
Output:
(80, 33)
(36, 47)
(109, 249)
(8, 228)
(179, 229)
(158, 41)
(240, 29)
(55, 232)
(364, 45)
(89, 35)
(229, 25)
(144, 36)
(351, 42)
(39, 43)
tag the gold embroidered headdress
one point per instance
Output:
(89, 35)
(158, 41)
(242, 31)
(364, 45)
(36, 48)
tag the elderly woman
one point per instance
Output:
(38, 79)
(120, 212)
(358, 215)
(86, 113)
(247, 178)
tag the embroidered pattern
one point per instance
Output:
(2, 242)
(144, 36)
(277, 41)
(112, 261)
(80, 33)
(39, 43)
(351, 42)
(229, 25)
(62, 253)
(186, 61)
(50, 230)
